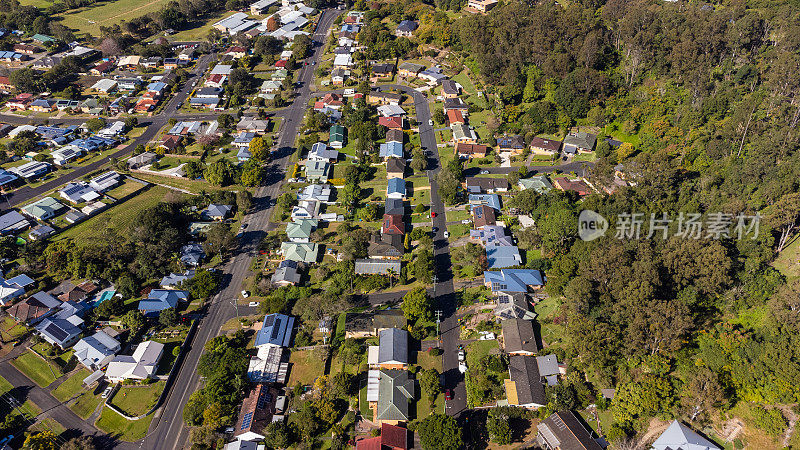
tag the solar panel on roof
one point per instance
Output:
(56, 332)
(269, 320)
(263, 399)
(276, 329)
(247, 421)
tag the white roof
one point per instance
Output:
(222, 69)
(104, 85)
(391, 110)
(372, 355)
(679, 436)
(373, 385)
(132, 60)
(20, 129)
(343, 60)
(141, 365)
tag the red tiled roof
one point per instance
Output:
(470, 149)
(216, 78)
(455, 116)
(281, 63)
(369, 444)
(394, 436)
(566, 184)
(391, 122)
(393, 224)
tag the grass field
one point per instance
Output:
(10, 329)
(41, 4)
(137, 400)
(126, 188)
(39, 371)
(118, 217)
(89, 20)
(71, 386)
(306, 366)
(788, 261)
(200, 30)
(122, 428)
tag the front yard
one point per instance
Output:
(37, 369)
(137, 400)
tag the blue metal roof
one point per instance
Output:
(276, 330)
(513, 280)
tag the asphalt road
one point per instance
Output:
(167, 431)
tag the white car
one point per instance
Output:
(430, 122)
(245, 294)
(462, 367)
(107, 392)
(253, 304)
(446, 234)
(466, 221)
(461, 356)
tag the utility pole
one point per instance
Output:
(434, 284)
(438, 319)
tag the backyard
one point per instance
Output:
(305, 366)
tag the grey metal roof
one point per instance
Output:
(377, 266)
(393, 346)
(518, 336)
(525, 376)
(395, 390)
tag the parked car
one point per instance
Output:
(253, 304)
(433, 214)
(430, 122)
(484, 172)
(107, 392)
(466, 221)
(446, 234)
(435, 229)
(461, 355)
(245, 294)
(448, 394)
(462, 367)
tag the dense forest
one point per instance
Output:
(706, 93)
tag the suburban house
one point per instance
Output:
(391, 149)
(478, 185)
(492, 200)
(549, 368)
(300, 231)
(175, 280)
(513, 305)
(396, 188)
(455, 117)
(13, 222)
(482, 216)
(538, 183)
(579, 142)
(406, 28)
(519, 338)
(491, 236)
(395, 135)
(391, 438)
(384, 246)
(31, 170)
(161, 299)
(391, 111)
(191, 254)
(564, 430)
(79, 193)
(395, 168)
(565, 184)
(524, 388)
(216, 212)
(106, 181)
(547, 147)
(394, 206)
(391, 351)
(268, 365)
(276, 331)
(463, 134)
(469, 151)
(286, 274)
(59, 331)
(450, 89)
(257, 411)
(679, 436)
(360, 325)
(409, 70)
(139, 366)
(315, 192)
(307, 252)
(378, 266)
(336, 139)
(480, 6)
(7, 179)
(43, 209)
(394, 123)
(141, 160)
(503, 256)
(34, 308)
(455, 104)
(390, 401)
(382, 70)
(514, 144)
(317, 171)
(339, 75)
(320, 152)
(13, 288)
(96, 351)
(383, 98)
(393, 224)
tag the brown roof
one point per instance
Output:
(394, 135)
(28, 310)
(570, 432)
(482, 215)
(487, 183)
(546, 144)
(391, 122)
(394, 437)
(386, 246)
(565, 184)
(518, 336)
(471, 149)
(253, 416)
(395, 165)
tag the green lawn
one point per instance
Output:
(122, 428)
(305, 366)
(72, 386)
(137, 400)
(35, 368)
(363, 404)
(85, 405)
(10, 329)
(478, 349)
(5, 386)
(118, 217)
(126, 188)
(788, 261)
(551, 333)
(89, 20)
